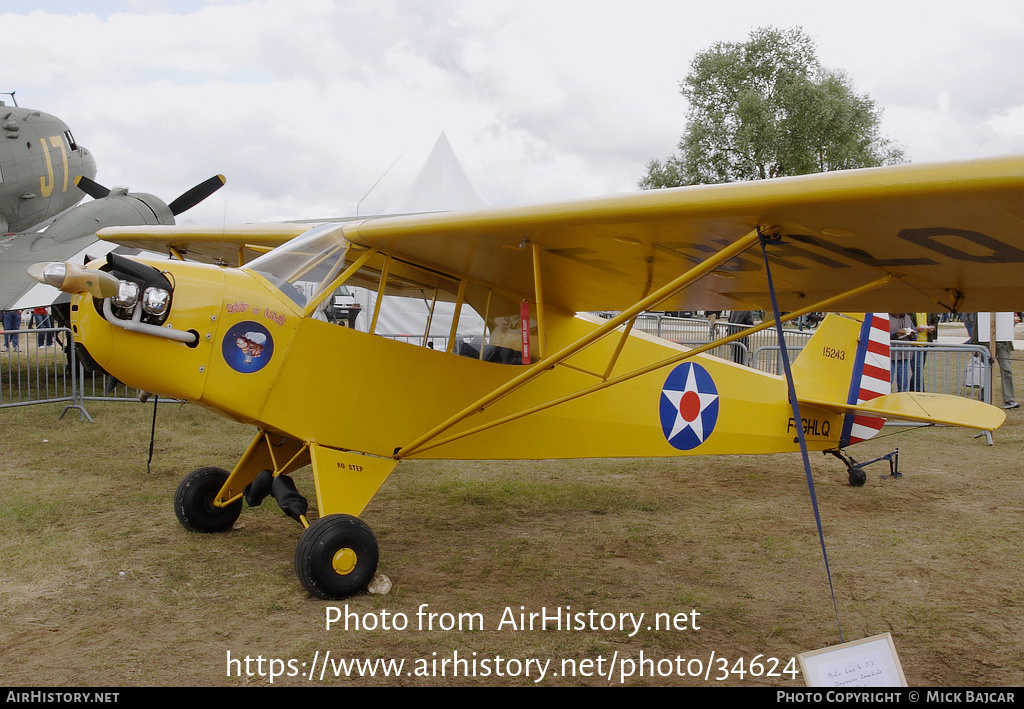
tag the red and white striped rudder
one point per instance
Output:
(871, 377)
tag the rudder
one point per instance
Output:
(871, 378)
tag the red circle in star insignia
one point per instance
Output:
(689, 406)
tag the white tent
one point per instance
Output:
(440, 186)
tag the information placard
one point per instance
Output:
(871, 662)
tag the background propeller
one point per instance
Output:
(183, 203)
(196, 195)
(91, 188)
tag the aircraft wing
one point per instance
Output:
(228, 245)
(945, 229)
(951, 234)
(19, 251)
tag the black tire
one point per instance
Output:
(193, 502)
(336, 557)
(858, 477)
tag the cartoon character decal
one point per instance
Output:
(688, 406)
(247, 347)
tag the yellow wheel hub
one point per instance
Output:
(344, 561)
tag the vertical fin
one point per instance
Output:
(871, 378)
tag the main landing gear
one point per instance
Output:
(194, 506)
(337, 555)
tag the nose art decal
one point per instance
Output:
(247, 347)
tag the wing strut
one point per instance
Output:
(381, 290)
(796, 417)
(456, 314)
(539, 297)
(624, 337)
(339, 280)
(665, 363)
(535, 370)
(626, 316)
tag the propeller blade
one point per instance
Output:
(93, 189)
(196, 195)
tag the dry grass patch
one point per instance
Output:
(101, 586)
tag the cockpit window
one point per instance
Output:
(306, 264)
(391, 297)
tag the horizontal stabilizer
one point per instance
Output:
(927, 408)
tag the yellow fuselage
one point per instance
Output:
(258, 360)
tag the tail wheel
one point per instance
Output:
(193, 502)
(336, 557)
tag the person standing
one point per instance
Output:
(901, 331)
(40, 320)
(12, 324)
(1004, 346)
(927, 326)
(712, 316)
(740, 320)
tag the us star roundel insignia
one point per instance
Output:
(688, 406)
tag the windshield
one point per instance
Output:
(306, 264)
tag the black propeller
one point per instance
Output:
(183, 203)
(196, 195)
(91, 188)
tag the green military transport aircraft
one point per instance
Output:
(44, 173)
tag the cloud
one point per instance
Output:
(303, 106)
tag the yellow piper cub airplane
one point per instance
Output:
(541, 380)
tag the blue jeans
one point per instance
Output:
(917, 371)
(41, 322)
(901, 374)
(12, 321)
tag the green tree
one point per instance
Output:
(766, 108)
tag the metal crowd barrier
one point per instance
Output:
(691, 332)
(37, 367)
(959, 370)
(43, 368)
(768, 358)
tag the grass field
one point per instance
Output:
(101, 585)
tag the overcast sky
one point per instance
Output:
(303, 105)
